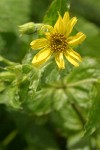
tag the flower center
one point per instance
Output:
(58, 42)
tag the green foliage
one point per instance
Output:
(45, 108)
(56, 6)
(12, 14)
(93, 117)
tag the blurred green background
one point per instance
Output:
(20, 131)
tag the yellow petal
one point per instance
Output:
(74, 54)
(73, 57)
(72, 60)
(39, 43)
(77, 39)
(60, 60)
(58, 27)
(41, 57)
(70, 25)
(65, 20)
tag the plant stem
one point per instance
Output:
(6, 61)
(10, 137)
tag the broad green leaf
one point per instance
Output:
(52, 15)
(49, 74)
(52, 93)
(80, 81)
(46, 100)
(40, 103)
(78, 85)
(88, 69)
(94, 113)
(10, 97)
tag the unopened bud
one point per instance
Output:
(31, 27)
(27, 28)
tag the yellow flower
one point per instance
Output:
(58, 43)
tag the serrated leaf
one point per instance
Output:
(57, 5)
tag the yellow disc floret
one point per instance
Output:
(58, 42)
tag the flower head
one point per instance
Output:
(58, 43)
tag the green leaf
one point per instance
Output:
(49, 74)
(7, 76)
(77, 86)
(40, 103)
(57, 5)
(28, 57)
(52, 94)
(2, 86)
(80, 81)
(88, 69)
(10, 97)
(94, 113)
(46, 100)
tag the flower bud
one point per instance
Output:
(29, 28)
